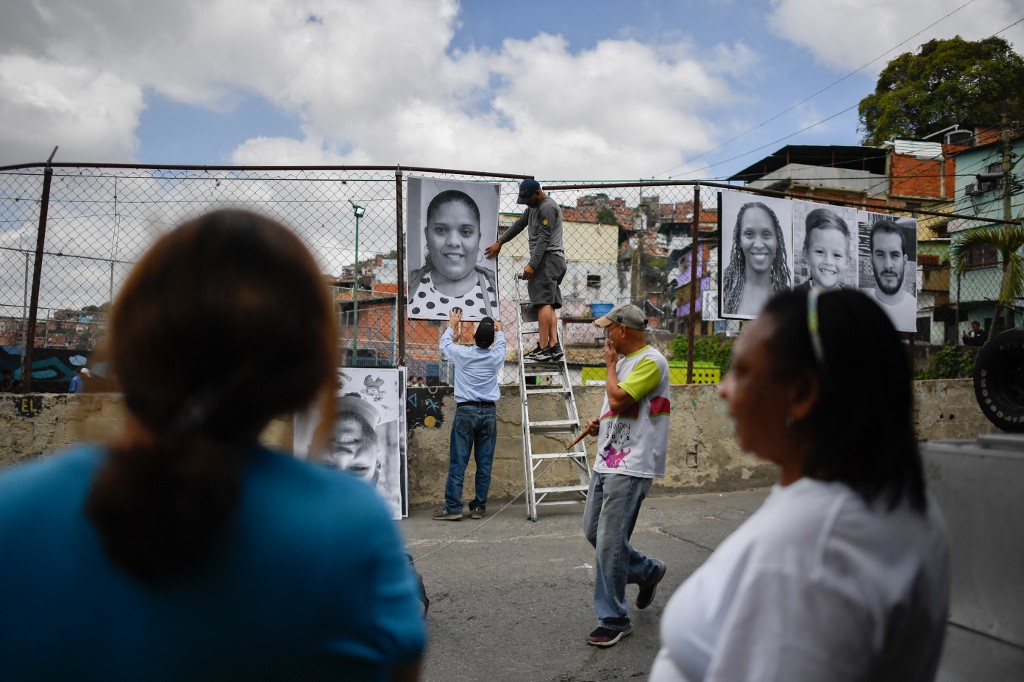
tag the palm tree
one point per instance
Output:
(1008, 240)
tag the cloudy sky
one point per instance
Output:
(562, 90)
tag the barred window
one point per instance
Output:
(982, 255)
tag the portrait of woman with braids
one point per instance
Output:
(758, 263)
(185, 549)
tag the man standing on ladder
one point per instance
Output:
(546, 267)
(476, 423)
(631, 450)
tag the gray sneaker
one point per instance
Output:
(443, 514)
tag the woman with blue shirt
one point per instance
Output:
(185, 549)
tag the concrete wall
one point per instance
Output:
(704, 456)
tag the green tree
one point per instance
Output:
(716, 349)
(1008, 240)
(948, 82)
(949, 362)
(606, 216)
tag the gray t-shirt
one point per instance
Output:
(545, 230)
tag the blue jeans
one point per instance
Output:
(475, 429)
(613, 505)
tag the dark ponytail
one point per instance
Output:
(159, 507)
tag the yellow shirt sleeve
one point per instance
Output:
(644, 378)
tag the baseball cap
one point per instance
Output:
(527, 188)
(484, 336)
(626, 314)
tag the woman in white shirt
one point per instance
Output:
(843, 573)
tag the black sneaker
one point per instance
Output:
(646, 594)
(606, 637)
(443, 514)
(554, 353)
(477, 512)
(535, 355)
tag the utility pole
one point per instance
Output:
(1004, 125)
(638, 226)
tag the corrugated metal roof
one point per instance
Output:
(918, 149)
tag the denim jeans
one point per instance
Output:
(613, 505)
(475, 429)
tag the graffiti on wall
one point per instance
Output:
(52, 368)
(424, 405)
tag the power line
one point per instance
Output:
(953, 155)
(810, 97)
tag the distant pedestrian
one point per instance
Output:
(77, 384)
(9, 384)
(476, 424)
(974, 337)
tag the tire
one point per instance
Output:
(999, 380)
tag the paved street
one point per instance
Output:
(512, 599)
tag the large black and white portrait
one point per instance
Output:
(825, 246)
(368, 436)
(450, 224)
(757, 257)
(888, 265)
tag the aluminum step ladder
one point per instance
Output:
(549, 413)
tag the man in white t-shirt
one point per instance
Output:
(889, 263)
(632, 435)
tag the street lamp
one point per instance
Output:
(359, 212)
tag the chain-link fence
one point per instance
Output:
(70, 234)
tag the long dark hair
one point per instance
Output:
(863, 422)
(735, 276)
(223, 324)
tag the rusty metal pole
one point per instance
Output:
(694, 244)
(33, 306)
(400, 294)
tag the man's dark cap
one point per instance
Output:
(527, 188)
(484, 336)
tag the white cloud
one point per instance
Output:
(847, 34)
(372, 82)
(90, 114)
(532, 106)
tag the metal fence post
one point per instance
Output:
(400, 250)
(694, 243)
(33, 306)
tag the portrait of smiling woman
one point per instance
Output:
(759, 264)
(452, 272)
